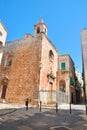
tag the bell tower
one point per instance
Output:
(40, 27)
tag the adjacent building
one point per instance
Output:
(66, 78)
(84, 59)
(32, 68)
(3, 35)
(79, 87)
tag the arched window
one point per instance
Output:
(38, 30)
(62, 86)
(8, 61)
(51, 55)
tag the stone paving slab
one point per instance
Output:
(33, 119)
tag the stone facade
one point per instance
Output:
(49, 61)
(23, 73)
(31, 69)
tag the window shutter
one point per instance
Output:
(71, 81)
(63, 66)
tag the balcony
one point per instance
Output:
(62, 72)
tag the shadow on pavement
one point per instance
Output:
(33, 119)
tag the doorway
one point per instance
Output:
(4, 88)
(50, 92)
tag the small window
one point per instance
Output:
(63, 66)
(9, 62)
(38, 30)
(51, 55)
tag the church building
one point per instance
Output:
(32, 68)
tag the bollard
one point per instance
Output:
(56, 107)
(26, 104)
(40, 105)
(86, 108)
(70, 107)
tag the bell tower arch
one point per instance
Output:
(40, 27)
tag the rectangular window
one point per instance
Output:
(63, 66)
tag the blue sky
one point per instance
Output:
(64, 19)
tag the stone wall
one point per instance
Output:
(23, 74)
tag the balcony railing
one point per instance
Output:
(64, 70)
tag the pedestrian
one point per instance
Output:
(26, 104)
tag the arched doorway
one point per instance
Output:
(4, 87)
(51, 79)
